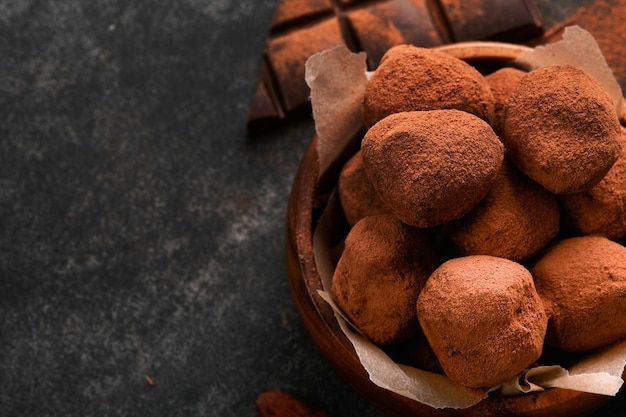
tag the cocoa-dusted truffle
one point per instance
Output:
(430, 167)
(483, 318)
(561, 129)
(516, 219)
(601, 209)
(413, 78)
(502, 83)
(582, 281)
(380, 273)
(358, 198)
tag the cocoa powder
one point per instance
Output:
(357, 195)
(601, 209)
(483, 318)
(582, 282)
(515, 220)
(411, 78)
(382, 270)
(502, 83)
(430, 167)
(561, 129)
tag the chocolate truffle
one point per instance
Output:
(582, 282)
(379, 275)
(430, 167)
(502, 83)
(358, 198)
(412, 78)
(601, 209)
(516, 219)
(483, 318)
(561, 129)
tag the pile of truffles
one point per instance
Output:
(486, 212)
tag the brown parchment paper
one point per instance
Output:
(337, 78)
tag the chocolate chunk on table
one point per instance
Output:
(301, 28)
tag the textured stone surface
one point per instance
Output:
(141, 233)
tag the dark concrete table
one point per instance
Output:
(141, 233)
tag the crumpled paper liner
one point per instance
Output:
(337, 78)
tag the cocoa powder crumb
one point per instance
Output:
(281, 404)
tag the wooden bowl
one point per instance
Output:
(307, 200)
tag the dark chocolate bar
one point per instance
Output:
(301, 28)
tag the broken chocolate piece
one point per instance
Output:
(301, 28)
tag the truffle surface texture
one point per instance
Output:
(356, 193)
(582, 281)
(430, 167)
(380, 273)
(561, 129)
(516, 219)
(602, 208)
(502, 83)
(483, 318)
(412, 78)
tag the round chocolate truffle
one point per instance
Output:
(483, 318)
(561, 129)
(582, 282)
(413, 78)
(502, 83)
(602, 208)
(357, 196)
(430, 167)
(516, 219)
(380, 273)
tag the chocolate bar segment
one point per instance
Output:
(301, 28)
(287, 55)
(492, 19)
(294, 11)
(382, 25)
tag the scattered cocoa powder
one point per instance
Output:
(515, 220)
(561, 129)
(356, 193)
(381, 272)
(582, 282)
(281, 404)
(430, 167)
(483, 318)
(601, 209)
(411, 78)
